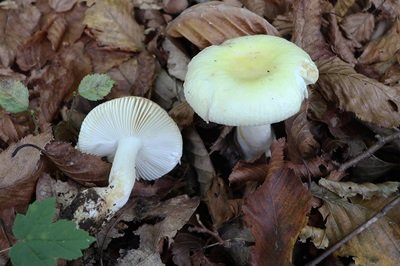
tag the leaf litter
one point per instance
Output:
(328, 172)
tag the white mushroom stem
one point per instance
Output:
(123, 174)
(254, 140)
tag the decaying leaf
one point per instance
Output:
(317, 235)
(214, 22)
(170, 215)
(270, 9)
(315, 167)
(177, 60)
(342, 7)
(366, 190)
(379, 244)
(16, 26)
(266, 213)
(384, 48)
(18, 174)
(62, 5)
(244, 171)
(133, 77)
(358, 26)
(390, 7)
(182, 114)
(369, 99)
(112, 24)
(301, 142)
(82, 168)
(198, 157)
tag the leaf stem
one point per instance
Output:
(23, 146)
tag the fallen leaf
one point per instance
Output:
(301, 142)
(384, 48)
(214, 22)
(358, 26)
(313, 168)
(244, 171)
(171, 215)
(390, 7)
(81, 167)
(182, 114)
(307, 29)
(266, 213)
(62, 5)
(56, 31)
(369, 99)
(366, 190)
(317, 236)
(284, 24)
(177, 61)
(342, 7)
(277, 161)
(133, 77)
(112, 24)
(184, 246)
(199, 158)
(8, 131)
(269, 9)
(18, 174)
(377, 245)
(11, 36)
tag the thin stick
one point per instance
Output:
(205, 230)
(25, 145)
(370, 151)
(5, 250)
(356, 231)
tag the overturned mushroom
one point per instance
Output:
(140, 140)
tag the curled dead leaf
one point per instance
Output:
(358, 26)
(112, 24)
(369, 99)
(269, 9)
(214, 22)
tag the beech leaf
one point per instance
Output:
(14, 96)
(358, 26)
(266, 213)
(366, 190)
(214, 22)
(369, 99)
(112, 23)
(95, 86)
(378, 244)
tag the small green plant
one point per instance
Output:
(40, 241)
(95, 86)
(14, 96)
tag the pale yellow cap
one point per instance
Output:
(248, 81)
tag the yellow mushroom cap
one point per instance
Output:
(248, 81)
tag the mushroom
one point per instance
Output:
(140, 140)
(249, 82)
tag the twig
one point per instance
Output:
(26, 145)
(5, 250)
(356, 231)
(370, 151)
(205, 230)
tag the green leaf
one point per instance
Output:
(14, 96)
(41, 242)
(94, 87)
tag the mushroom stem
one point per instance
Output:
(123, 173)
(254, 140)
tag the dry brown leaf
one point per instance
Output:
(133, 77)
(198, 157)
(16, 26)
(177, 61)
(269, 9)
(341, 46)
(377, 245)
(392, 75)
(342, 7)
(220, 207)
(266, 213)
(58, 80)
(390, 7)
(18, 174)
(184, 246)
(366, 190)
(317, 236)
(244, 171)
(307, 29)
(182, 114)
(369, 99)
(112, 23)
(103, 60)
(8, 130)
(62, 5)
(301, 142)
(384, 48)
(35, 52)
(56, 31)
(214, 22)
(75, 26)
(358, 26)
(82, 168)
(277, 161)
(284, 24)
(171, 215)
(315, 167)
